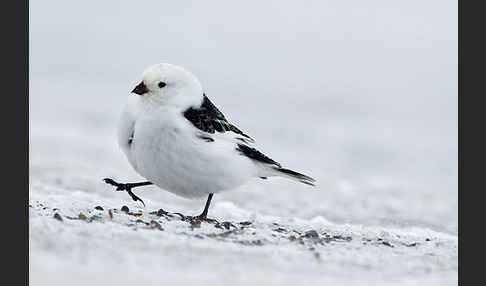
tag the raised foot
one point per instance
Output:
(119, 186)
(123, 187)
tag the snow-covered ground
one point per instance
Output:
(361, 96)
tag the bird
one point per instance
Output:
(177, 139)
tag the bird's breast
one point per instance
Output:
(165, 150)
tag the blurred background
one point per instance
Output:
(361, 95)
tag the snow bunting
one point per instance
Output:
(177, 139)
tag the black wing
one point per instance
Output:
(209, 119)
(254, 154)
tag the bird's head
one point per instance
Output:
(168, 85)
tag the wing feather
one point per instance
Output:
(209, 119)
(212, 124)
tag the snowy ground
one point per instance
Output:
(367, 106)
(384, 234)
(110, 247)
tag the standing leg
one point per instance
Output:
(204, 214)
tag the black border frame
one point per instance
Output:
(15, 119)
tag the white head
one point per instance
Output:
(166, 84)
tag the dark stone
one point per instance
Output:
(161, 212)
(95, 218)
(257, 242)
(154, 224)
(98, 208)
(141, 221)
(245, 223)
(195, 223)
(58, 217)
(125, 209)
(311, 234)
(340, 237)
(387, 244)
(227, 224)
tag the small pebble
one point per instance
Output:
(227, 224)
(125, 209)
(311, 234)
(387, 244)
(195, 223)
(245, 222)
(58, 217)
(154, 224)
(99, 208)
(258, 242)
(95, 218)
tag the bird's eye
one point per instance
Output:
(162, 84)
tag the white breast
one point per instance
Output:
(165, 150)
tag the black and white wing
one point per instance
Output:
(212, 125)
(208, 119)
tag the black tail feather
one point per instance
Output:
(297, 176)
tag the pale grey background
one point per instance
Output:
(362, 95)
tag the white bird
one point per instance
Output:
(177, 139)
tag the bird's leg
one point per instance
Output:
(204, 214)
(127, 187)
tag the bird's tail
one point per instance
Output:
(294, 176)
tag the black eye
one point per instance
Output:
(162, 84)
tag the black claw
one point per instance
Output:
(134, 197)
(110, 181)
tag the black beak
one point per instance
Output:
(140, 89)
